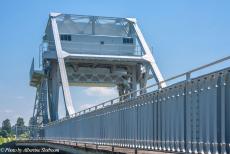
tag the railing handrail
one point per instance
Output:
(94, 43)
(134, 48)
(188, 73)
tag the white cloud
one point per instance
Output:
(8, 111)
(101, 91)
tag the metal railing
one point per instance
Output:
(137, 93)
(96, 48)
(190, 116)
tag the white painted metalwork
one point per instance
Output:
(62, 69)
(80, 50)
(148, 55)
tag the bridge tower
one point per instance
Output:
(80, 50)
(38, 80)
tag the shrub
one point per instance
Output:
(4, 133)
(1, 140)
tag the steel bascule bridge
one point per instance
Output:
(189, 116)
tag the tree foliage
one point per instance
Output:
(3, 133)
(6, 125)
(20, 122)
(32, 121)
(20, 126)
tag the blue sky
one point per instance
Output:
(184, 34)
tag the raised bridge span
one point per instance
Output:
(190, 115)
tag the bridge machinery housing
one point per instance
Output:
(80, 50)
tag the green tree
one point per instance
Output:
(32, 121)
(6, 126)
(20, 124)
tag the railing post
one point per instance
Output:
(188, 76)
(222, 97)
(187, 115)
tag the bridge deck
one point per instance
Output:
(74, 147)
